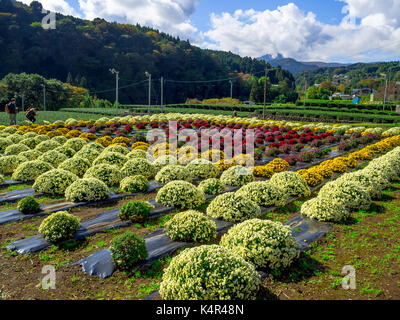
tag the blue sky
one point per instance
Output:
(307, 30)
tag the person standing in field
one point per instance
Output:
(12, 110)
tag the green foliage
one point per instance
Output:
(135, 210)
(127, 250)
(59, 226)
(28, 205)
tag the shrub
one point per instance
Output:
(127, 250)
(88, 189)
(30, 135)
(76, 165)
(118, 149)
(264, 194)
(8, 164)
(59, 226)
(139, 166)
(191, 226)
(65, 150)
(31, 154)
(135, 210)
(264, 243)
(291, 183)
(180, 194)
(90, 154)
(54, 182)
(4, 143)
(211, 186)
(324, 210)
(60, 139)
(28, 205)
(367, 182)
(46, 145)
(15, 149)
(233, 207)
(2, 179)
(134, 184)
(173, 172)
(31, 143)
(237, 176)
(53, 157)
(202, 168)
(137, 154)
(377, 177)
(113, 158)
(15, 138)
(29, 171)
(110, 175)
(164, 161)
(347, 193)
(209, 272)
(75, 143)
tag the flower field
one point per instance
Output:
(223, 192)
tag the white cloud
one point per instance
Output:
(61, 6)
(171, 16)
(295, 33)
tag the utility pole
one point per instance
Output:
(149, 76)
(265, 92)
(44, 97)
(387, 75)
(305, 91)
(231, 82)
(162, 94)
(113, 71)
(23, 103)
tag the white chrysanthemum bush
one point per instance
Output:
(75, 143)
(134, 184)
(113, 158)
(59, 226)
(237, 176)
(53, 157)
(264, 243)
(209, 272)
(164, 161)
(30, 170)
(371, 185)
(212, 186)
(139, 166)
(138, 153)
(54, 182)
(324, 209)
(233, 207)
(66, 150)
(173, 172)
(191, 226)
(264, 193)
(109, 174)
(118, 149)
(76, 165)
(203, 169)
(87, 189)
(15, 149)
(31, 154)
(180, 194)
(46, 145)
(291, 183)
(8, 164)
(89, 153)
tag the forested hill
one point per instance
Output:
(352, 75)
(81, 52)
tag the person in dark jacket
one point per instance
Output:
(12, 111)
(31, 114)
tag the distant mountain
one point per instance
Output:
(295, 66)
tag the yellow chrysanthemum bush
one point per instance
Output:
(134, 184)
(59, 226)
(87, 189)
(291, 183)
(278, 165)
(212, 186)
(109, 174)
(348, 193)
(180, 194)
(54, 182)
(104, 141)
(324, 209)
(30, 170)
(209, 272)
(312, 177)
(263, 171)
(191, 226)
(173, 172)
(263, 243)
(233, 207)
(203, 169)
(264, 193)
(237, 176)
